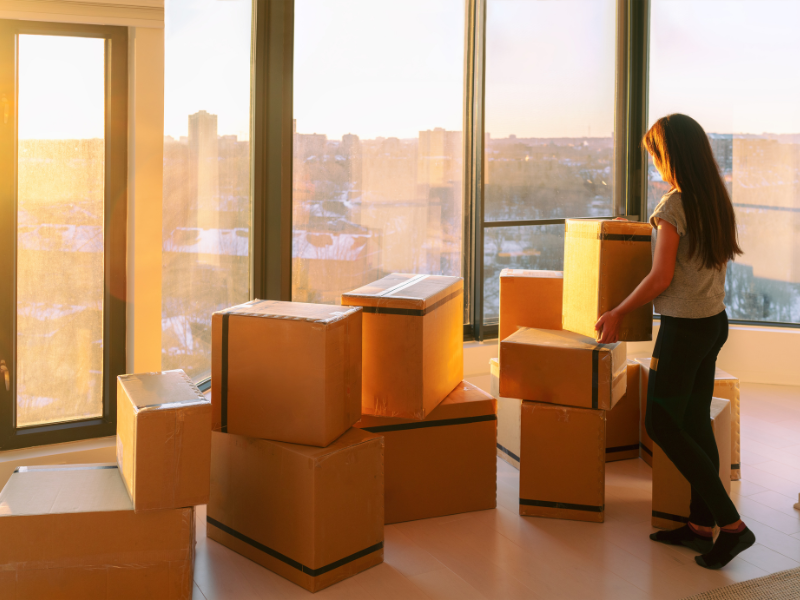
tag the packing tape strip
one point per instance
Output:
(621, 237)
(645, 448)
(670, 517)
(595, 375)
(622, 448)
(291, 562)
(561, 505)
(411, 312)
(424, 424)
(505, 450)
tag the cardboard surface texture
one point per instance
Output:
(509, 412)
(604, 261)
(443, 465)
(70, 532)
(725, 386)
(671, 492)
(562, 367)
(413, 342)
(163, 440)
(622, 423)
(311, 515)
(562, 462)
(529, 299)
(286, 371)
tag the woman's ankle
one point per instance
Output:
(736, 527)
(701, 529)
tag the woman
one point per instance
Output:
(695, 238)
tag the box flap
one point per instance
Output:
(295, 311)
(608, 229)
(352, 437)
(532, 274)
(720, 375)
(403, 290)
(62, 489)
(161, 390)
(557, 338)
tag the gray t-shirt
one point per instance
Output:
(695, 291)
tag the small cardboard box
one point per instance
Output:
(163, 440)
(311, 515)
(562, 367)
(562, 462)
(70, 532)
(671, 492)
(509, 412)
(725, 386)
(413, 342)
(286, 371)
(443, 465)
(529, 299)
(604, 261)
(622, 423)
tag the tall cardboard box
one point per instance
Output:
(562, 462)
(725, 386)
(622, 422)
(413, 342)
(442, 465)
(286, 371)
(604, 261)
(163, 440)
(671, 492)
(509, 411)
(311, 515)
(562, 367)
(529, 299)
(70, 532)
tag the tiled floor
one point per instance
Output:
(498, 554)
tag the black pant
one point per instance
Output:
(679, 410)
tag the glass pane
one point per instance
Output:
(60, 183)
(539, 247)
(377, 147)
(206, 227)
(747, 98)
(549, 109)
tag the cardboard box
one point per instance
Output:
(311, 515)
(286, 371)
(725, 386)
(562, 367)
(443, 465)
(509, 412)
(163, 440)
(562, 462)
(604, 261)
(671, 492)
(529, 299)
(622, 422)
(413, 342)
(69, 532)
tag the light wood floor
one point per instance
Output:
(498, 554)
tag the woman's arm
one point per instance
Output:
(657, 281)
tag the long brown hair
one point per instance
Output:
(681, 149)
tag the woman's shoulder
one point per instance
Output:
(670, 208)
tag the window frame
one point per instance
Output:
(114, 238)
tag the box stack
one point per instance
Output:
(293, 486)
(115, 531)
(726, 386)
(671, 491)
(440, 432)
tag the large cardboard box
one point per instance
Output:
(509, 411)
(529, 299)
(725, 386)
(622, 422)
(413, 342)
(311, 515)
(562, 462)
(286, 371)
(163, 440)
(443, 465)
(604, 261)
(671, 492)
(70, 533)
(562, 367)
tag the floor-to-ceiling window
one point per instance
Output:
(206, 215)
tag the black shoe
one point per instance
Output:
(684, 536)
(727, 546)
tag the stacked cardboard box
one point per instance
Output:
(529, 299)
(293, 486)
(726, 386)
(622, 422)
(509, 414)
